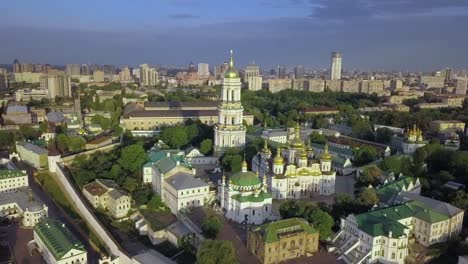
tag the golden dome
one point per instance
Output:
(231, 71)
(278, 160)
(326, 156)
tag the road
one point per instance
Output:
(57, 213)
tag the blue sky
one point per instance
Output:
(372, 34)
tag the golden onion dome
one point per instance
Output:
(326, 156)
(278, 160)
(231, 71)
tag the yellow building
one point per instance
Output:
(154, 115)
(282, 240)
(447, 125)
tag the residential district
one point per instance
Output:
(200, 164)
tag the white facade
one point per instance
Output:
(203, 70)
(245, 199)
(11, 180)
(103, 194)
(230, 130)
(21, 204)
(148, 76)
(298, 177)
(335, 71)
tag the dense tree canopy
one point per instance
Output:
(211, 226)
(215, 252)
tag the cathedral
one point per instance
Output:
(295, 173)
(414, 140)
(245, 198)
(230, 131)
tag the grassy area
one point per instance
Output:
(49, 184)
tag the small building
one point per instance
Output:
(11, 180)
(320, 111)
(283, 240)
(57, 244)
(22, 204)
(99, 142)
(245, 199)
(342, 166)
(17, 115)
(194, 156)
(413, 140)
(441, 126)
(32, 154)
(106, 194)
(392, 188)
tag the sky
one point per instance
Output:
(415, 35)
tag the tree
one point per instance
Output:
(370, 176)
(459, 199)
(76, 143)
(142, 195)
(323, 222)
(28, 132)
(364, 155)
(130, 184)
(211, 226)
(62, 142)
(383, 135)
(206, 146)
(216, 251)
(175, 137)
(103, 122)
(132, 158)
(317, 138)
(156, 203)
(367, 198)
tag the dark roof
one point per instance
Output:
(182, 181)
(172, 113)
(181, 104)
(99, 140)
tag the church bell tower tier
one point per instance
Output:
(230, 130)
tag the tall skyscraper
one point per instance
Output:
(252, 77)
(73, 69)
(460, 85)
(203, 70)
(335, 71)
(85, 69)
(448, 75)
(230, 131)
(281, 72)
(98, 76)
(148, 76)
(16, 66)
(124, 75)
(299, 72)
(3, 79)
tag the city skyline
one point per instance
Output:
(380, 35)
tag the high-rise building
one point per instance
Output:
(191, 67)
(73, 69)
(203, 70)
(448, 75)
(124, 75)
(148, 76)
(16, 66)
(3, 79)
(299, 72)
(335, 71)
(98, 76)
(460, 85)
(85, 70)
(252, 77)
(58, 85)
(220, 69)
(46, 69)
(230, 130)
(281, 72)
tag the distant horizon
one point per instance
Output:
(377, 35)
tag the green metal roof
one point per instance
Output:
(339, 151)
(57, 238)
(252, 198)
(271, 231)
(388, 191)
(6, 174)
(381, 222)
(247, 178)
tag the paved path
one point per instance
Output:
(228, 233)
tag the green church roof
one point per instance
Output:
(6, 174)
(252, 198)
(247, 178)
(272, 231)
(388, 191)
(57, 238)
